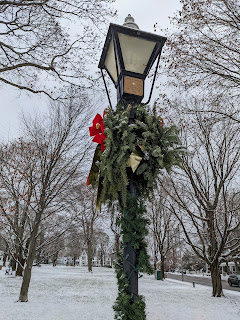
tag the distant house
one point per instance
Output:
(96, 261)
(231, 265)
(82, 261)
(67, 261)
(108, 261)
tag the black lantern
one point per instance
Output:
(128, 56)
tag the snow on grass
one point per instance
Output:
(68, 293)
(180, 301)
(200, 275)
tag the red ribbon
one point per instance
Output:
(97, 130)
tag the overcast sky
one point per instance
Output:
(145, 12)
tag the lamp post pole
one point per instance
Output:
(130, 263)
(129, 254)
(128, 55)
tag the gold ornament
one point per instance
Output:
(134, 161)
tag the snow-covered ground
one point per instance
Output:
(71, 293)
(200, 275)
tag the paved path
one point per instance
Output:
(204, 280)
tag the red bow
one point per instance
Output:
(97, 130)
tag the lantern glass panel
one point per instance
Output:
(110, 62)
(136, 52)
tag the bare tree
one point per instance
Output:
(203, 192)
(114, 225)
(17, 203)
(162, 222)
(102, 245)
(202, 59)
(232, 248)
(17, 186)
(58, 150)
(35, 44)
(191, 261)
(74, 241)
(53, 235)
(3, 247)
(205, 46)
(84, 206)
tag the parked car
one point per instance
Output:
(234, 279)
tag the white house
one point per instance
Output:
(231, 265)
(96, 262)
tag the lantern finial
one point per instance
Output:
(129, 22)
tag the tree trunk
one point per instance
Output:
(23, 297)
(38, 258)
(236, 265)
(162, 267)
(20, 267)
(21, 262)
(55, 256)
(212, 249)
(89, 249)
(216, 280)
(117, 244)
(155, 259)
(101, 258)
(155, 252)
(54, 261)
(5, 255)
(14, 263)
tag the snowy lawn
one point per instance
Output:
(68, 293)
(200, 275)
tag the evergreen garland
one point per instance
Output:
(124, 308)
(133, 225)
(133, 228)
(159, 146)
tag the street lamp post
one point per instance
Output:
(127, 57)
